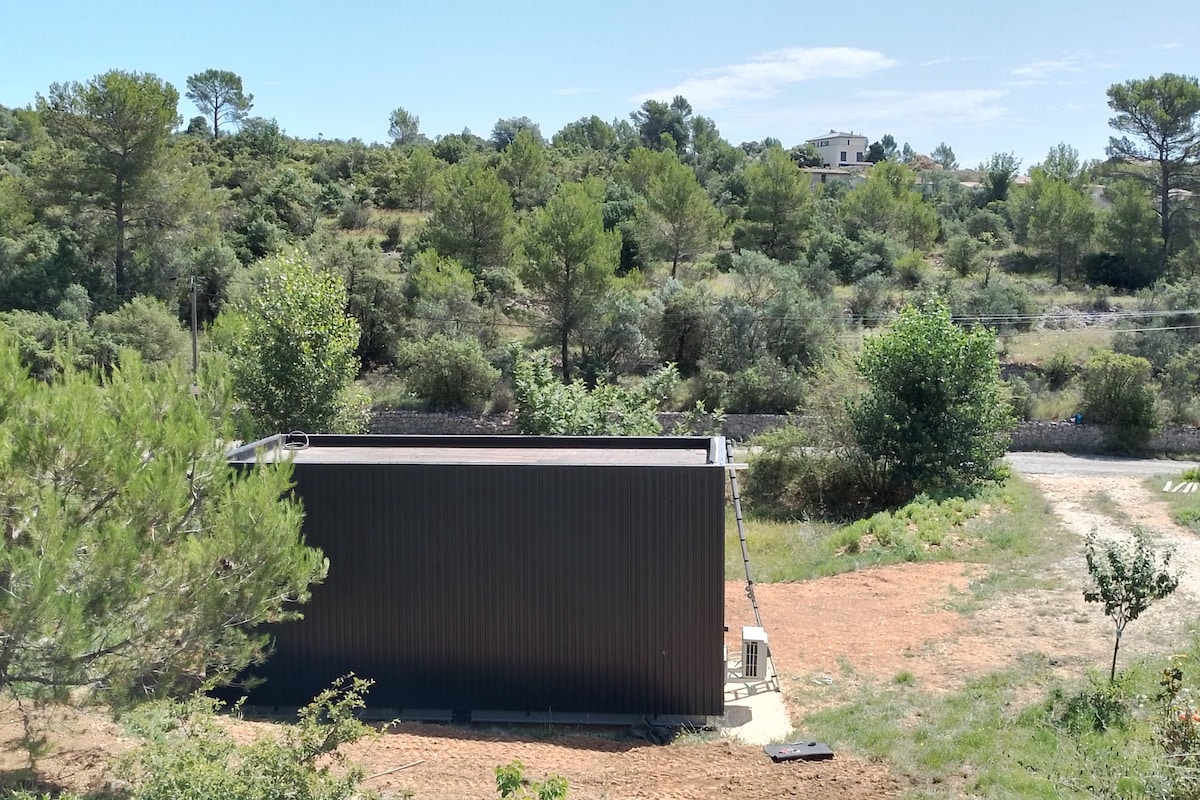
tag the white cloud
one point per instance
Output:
(764, 76)
(1040, 70)
(907, 113)
(966, 107)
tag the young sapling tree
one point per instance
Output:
(1127, 577)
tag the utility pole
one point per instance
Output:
(195, 345)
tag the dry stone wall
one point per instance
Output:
(1060, 437)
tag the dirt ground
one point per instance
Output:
(826, 635)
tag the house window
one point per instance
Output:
(824, 143)
(843, 155)
(858, 156)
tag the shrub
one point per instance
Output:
(963, 255)
(512, 783)
(447, 373)
(933, 413)
(999, 303)
(189, 756)
(1118, 391)
(1021, 398)
(765, 386)
(548, 407)
(146, 325)
(795, 477)
(1059, 371)
(871, 300)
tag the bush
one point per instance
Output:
(548, 407)
(1118, 391)
(446, 373)
(963, 255)
(188, 755)
(1059, 371)
(1021, 398)
(933, 413)
(795, 477)
(765, 386)
(871, 300)
(146, 325)
(999, 303)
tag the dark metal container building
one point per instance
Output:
(509, 577)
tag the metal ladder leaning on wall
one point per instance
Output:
(772, 674)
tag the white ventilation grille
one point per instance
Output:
(754, 652)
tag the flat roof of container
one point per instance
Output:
(672, 451)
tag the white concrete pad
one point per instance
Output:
(754, 712)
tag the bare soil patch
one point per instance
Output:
(826, 636)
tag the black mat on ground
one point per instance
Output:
(799, 751)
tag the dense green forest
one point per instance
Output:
(612, 248)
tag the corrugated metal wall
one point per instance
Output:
(573, 589)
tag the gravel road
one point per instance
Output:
(1066, 464)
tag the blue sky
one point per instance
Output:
(984, 76)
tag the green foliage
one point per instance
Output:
(47, 346)
(374, 294)
(112, 133)
(1061, 226)
(683, 324)
(138, 561)
(796, 475)
(764, 386)
(218, 93)
(189, 755)
(1127, 578)
(511, 782)
(291, 349)
(1100, 707)
(146, 325)
(999, 303)
(963, 255)
(933, 413)
(779, 207)
(548, 407)
(448, 374)
(473, 217)
(570, 261)
(1163, 115)
(1118, 391)
(679, 222)
(772, 313)
(999, 171)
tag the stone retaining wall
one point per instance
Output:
(1060, 437)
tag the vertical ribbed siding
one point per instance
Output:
(581, 589)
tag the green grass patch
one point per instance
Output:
(1039, 346)
(1020, 732)
(1184, 506)
(1001, 524)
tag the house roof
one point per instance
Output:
(837, 135)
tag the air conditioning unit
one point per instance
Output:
(754, 652)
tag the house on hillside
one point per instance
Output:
(819, 175)
(839, 149)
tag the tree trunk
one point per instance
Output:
(119, 260)
(1164, 209)
(566, 362)
(1112, 673)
